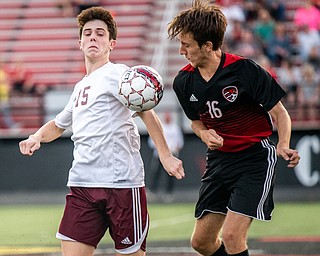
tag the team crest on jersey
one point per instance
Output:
(230, 93)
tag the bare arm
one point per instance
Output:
(171, 164)
(283, 122)
(209, 137)
(47, 133)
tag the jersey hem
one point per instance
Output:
(85, 185)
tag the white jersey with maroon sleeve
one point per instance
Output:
(106, 139)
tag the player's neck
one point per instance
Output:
(210, 67)
(92, 65)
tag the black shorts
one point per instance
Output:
(240, 182)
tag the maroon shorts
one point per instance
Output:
(89, 212)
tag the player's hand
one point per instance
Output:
(290, 155)
(212, 139)
(28, 146)
(173, 167)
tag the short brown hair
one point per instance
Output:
(97, 13)
(204, 20)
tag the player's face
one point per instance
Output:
(95, 41)
(191, 50)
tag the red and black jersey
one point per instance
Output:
(234, 102)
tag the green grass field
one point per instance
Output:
(36, 225)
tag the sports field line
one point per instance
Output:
(171, 221)
(156, 251)
(6, 250)
(276, 239)
(47, 250)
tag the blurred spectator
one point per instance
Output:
(278, 47)
(248, 45)
(307, 15)
(81, 5)
(265, 63)
(277, 9)
(21, 78)
(287, 76)
(175, 140)
(251, 8)
(66, 7)
(69, 8)
(316, 3)
(307, 40)
(40, 89)
(234, 34)
(233, 11)
(236, 17)
(314, 58)
(4, 99)
(264, 27)
(308, 93)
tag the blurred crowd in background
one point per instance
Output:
(283, 40)
(283, 37)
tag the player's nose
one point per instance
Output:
(182, 52)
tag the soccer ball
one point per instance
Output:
(140, 88)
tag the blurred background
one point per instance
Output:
(40, 62)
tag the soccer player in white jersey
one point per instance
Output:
(106, 180)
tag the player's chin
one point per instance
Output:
(92, 54)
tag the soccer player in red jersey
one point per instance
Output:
(231, 102)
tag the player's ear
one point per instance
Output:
(80, 46)
(112, 43)
(208, 46)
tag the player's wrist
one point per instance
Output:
(36, 137)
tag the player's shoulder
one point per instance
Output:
(230, 58)
(121, 67)
(184, 72)
(113, 71)
(116, 67)
(238, 61)
(187, 69)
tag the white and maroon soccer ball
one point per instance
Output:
(141, 88)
